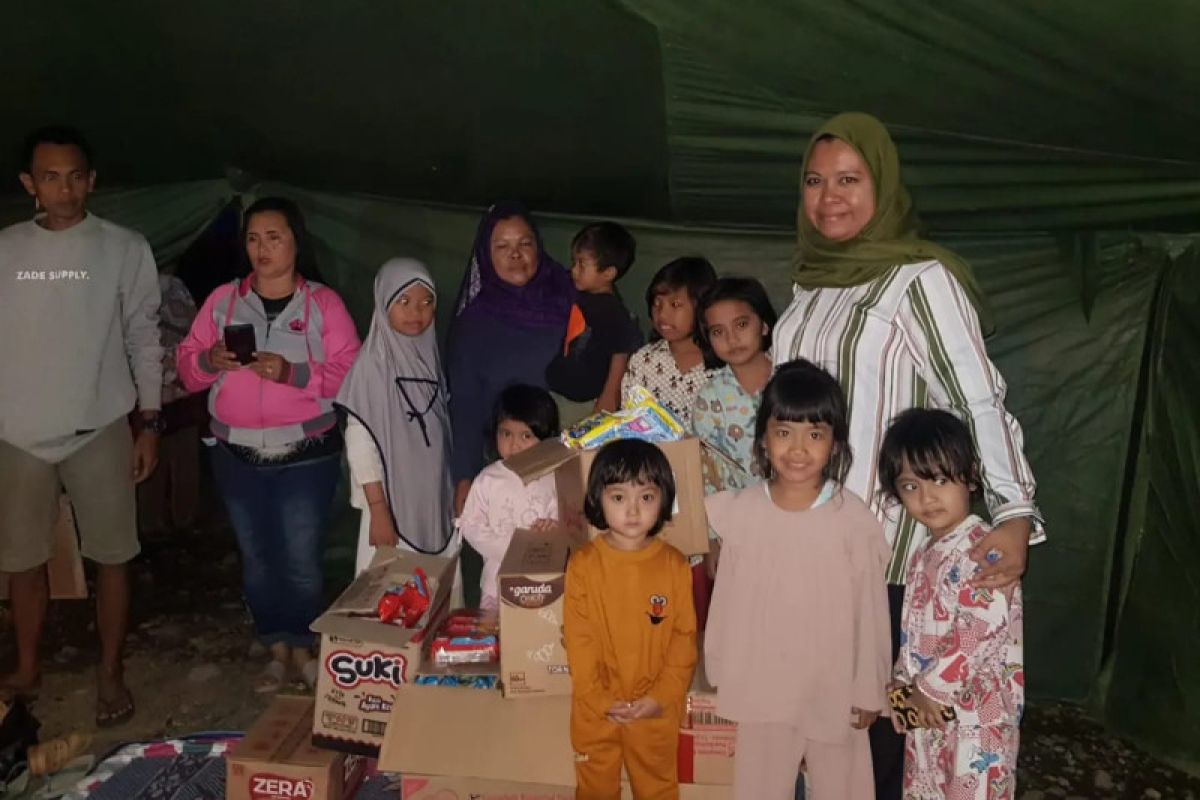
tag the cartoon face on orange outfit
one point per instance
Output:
(658, 607)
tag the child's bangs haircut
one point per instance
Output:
(691, 273)
(932, 443)
(610, 243)
(696, 276)
(743, 290)
(629, 461)
(531, 405)
(800, 391)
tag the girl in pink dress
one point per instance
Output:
(960, 646)
(798, 635)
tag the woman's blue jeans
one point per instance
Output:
(280, 515)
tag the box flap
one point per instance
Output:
(541, 459)
(436, 730)
(353, 614)
(535, 553)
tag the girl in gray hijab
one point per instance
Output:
(398, 431)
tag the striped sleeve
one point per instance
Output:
(941, 324)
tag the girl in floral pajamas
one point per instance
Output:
(960, 646)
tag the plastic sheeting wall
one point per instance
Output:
(1151, 689)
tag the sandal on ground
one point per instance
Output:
(272, 678)
(114, 710)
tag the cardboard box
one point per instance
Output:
(64, 570)
(485, 741)
(433, 787)
(706, 757)
(364, 661)
(277, 760)
(708, 741)
(436, 730)
(533, 659)
(441, 787)
(701, 712)
(688, 528)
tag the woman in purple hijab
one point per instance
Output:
(510, 320)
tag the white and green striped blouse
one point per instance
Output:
(910, 339)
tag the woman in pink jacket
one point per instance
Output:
(277, 459)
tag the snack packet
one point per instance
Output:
(643, 417)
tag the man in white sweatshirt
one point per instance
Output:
(79, 316)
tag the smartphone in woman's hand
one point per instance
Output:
(239, 340)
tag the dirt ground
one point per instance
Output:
(191, 666)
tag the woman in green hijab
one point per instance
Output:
(899, 321)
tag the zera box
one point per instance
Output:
(688, 528)
(277, 760)
(533, 660)
(364, 661)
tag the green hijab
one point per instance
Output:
(889, 239)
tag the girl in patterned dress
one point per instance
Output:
(960, 645)
(735, 319)
(677, 361)
(499, 501)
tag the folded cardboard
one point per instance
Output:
(688, 528)
(436, 730)
(277, 760)
(533, 659)
(436, 787)
(64, 570)
(364, 661)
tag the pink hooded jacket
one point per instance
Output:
(314, 333)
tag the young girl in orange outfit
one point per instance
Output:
(630, 630)
(798, 632)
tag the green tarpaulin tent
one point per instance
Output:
(1053, 143)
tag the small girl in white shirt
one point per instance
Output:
(499, 501)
